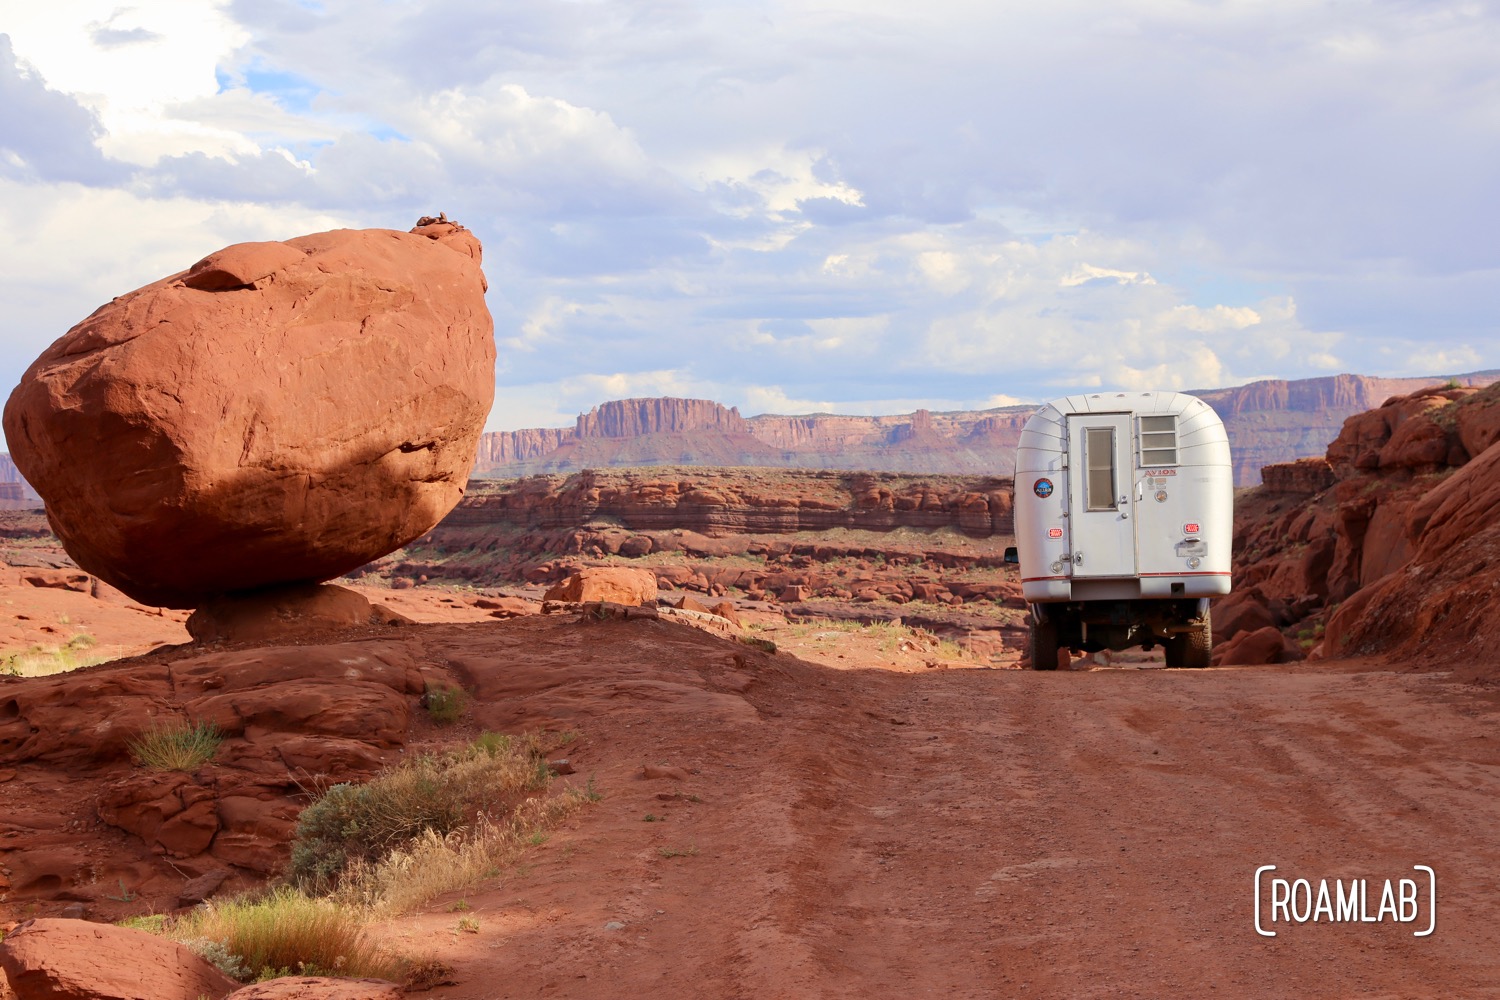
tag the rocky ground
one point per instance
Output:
(848, 816)
(800, 806)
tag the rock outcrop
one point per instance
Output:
(291, 717)
(277, 413)
(79, 960)
(1268, 422)
(1397, 554)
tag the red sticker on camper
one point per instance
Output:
(1191, 528)
(1054, 532)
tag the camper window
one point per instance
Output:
(1158, 441)
(1099, 458)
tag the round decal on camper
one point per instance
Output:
(1043, 488)
(1161, 496)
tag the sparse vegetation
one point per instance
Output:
(43, 661)
(177, 745)
(446, 705)
(678, 852)
(434, 823)
(152, 923)
(281, 932)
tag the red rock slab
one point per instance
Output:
(77, 960)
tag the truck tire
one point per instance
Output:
(1043, 645)
(1191, 649)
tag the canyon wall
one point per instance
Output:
(1268, 422)
(717, 502)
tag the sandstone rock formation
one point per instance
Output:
(1268, 422)
(1397, 554)
(79, 960)
(278, 413)
(290, 716)
(284, 613)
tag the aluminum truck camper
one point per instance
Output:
(1124, 515)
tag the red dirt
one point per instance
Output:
(870, 831)
(866, 825)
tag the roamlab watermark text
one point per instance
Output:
(1291, 902)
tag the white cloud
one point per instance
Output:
(131, 65)
(867, 204)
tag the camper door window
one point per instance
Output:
(1099, 459)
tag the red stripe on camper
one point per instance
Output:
(1199, 573)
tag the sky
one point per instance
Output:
(797, 207)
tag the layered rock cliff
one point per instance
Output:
(1268, 422)
(713, 503)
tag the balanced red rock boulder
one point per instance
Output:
(278, 413)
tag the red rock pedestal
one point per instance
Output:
(284, 613)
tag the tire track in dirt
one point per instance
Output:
(853, 833)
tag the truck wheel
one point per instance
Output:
(1191, 649)
(1043, 645)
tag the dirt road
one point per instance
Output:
(854, 832)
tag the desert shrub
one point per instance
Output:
(437, 794)
(285, 931)
(445, 704)
(176, 745)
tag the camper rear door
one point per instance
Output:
(1100, 503)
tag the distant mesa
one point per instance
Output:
(1268, 422)
(278, 413)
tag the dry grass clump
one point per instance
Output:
(433, 823)
(44, 661)
(285, 932)
(445, 705)
(177, 745)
